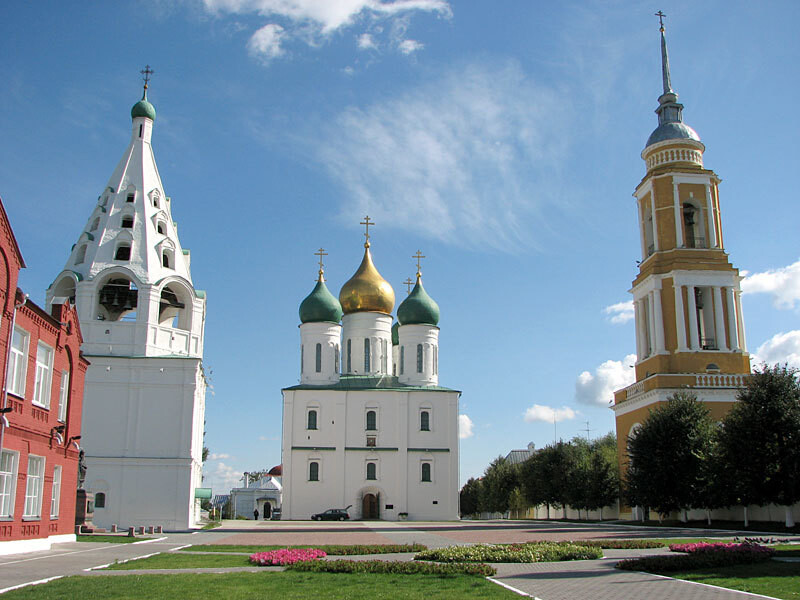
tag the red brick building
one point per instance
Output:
(42, 373)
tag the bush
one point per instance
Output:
(514, 553)
(341, 550)
(620, 544)
(285, 556)
(739, 549)
(699, 558)
(393, 567)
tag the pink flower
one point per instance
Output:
(285, 556)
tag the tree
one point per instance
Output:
(759, 443)
(205, 453)
(667, 455)
(545, 476)
(603, 473)
(499, 479)
(470, 496)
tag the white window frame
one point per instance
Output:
(55, 494)
(319, 469)
(43, 386)
(421, 465)
(430, 418)
(63, 397)
(34, 486)
(8, 482)
(18, 362)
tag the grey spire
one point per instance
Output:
(665, 64)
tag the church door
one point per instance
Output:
(267, 510)
(369, 509)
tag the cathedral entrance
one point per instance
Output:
(369, 506)
(267, 510)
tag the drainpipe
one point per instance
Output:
(8, 357)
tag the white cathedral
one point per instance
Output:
(369, 428)
(142, 322)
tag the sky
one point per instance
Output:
(502, 140)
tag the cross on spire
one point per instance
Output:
(146, 72)
(661, 16)
(408, 283)
(366, 222)
(321, 252)
(419, 256)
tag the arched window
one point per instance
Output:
(117, 300)
(95, 224)
(318, 358)
(130, 199)
(127, 222)
(123, 253)
(336, 359)
(384, 357)
(349, 364)
(81, 255)
(366, 356)
(302, 354)
(100, 500)
(141, 129)
(166, 259)
(426, 471)
(402, 359)
(313, 471)
(419, 358)
(372, 471)
(312, 419)
(372, 420)
(160, 228)
(425, 421)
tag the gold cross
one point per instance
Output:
(418, 256)
(321, 252)
(408, 284)
(146, 72)
(661, 16)
(366, 222)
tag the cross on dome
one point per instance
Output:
(366, 222)
(146, 72)
(321, 252)
(408, 283)
(419, 255)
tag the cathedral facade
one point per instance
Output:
(142, 321)
(690, 333)
(368, 428)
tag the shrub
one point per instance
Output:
(620, 544)
(514, 553)
(285, 556)
(393, 567)
(739, 549)
(697, 559)
(341, 550)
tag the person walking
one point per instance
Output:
(255, 514)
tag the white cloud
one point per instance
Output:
(366, 42)
(464, 427)
(410, 46)
(780, 348)
(266, 438)
(782, 283)
(265, 43)
(598, 389)
(547, 414)
(215, 456)
(620, 313)
(223, 478)
(471, 157)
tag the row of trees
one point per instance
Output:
(680, 458)
(580, 474)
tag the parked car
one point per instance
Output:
(276, 514)
(332, 514)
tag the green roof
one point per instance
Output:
(370, 382)
(418, 308)
(320, 306)
(396, 333)
(143, 109)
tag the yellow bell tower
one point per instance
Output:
(689, 327)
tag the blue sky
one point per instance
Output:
(501, 139)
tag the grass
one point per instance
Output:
(771, 578)
(770, 526)
(176, 560)
(111, 539)
(287, 585)
(212, 525)
(331, 549)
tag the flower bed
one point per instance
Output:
(620, 544)
(744, 548)
(699, 556)
(394, 567)
(513, 553)
(286, 556)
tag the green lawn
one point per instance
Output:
(287, 585)
(113, 539)
(176, 560)
(332, 549)
(771, 578)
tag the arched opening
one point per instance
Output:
(161, 228)
(426, 471)
(425, 420)
(123, 252)
(419, 358)
(692, 226)
(127, 222)
(100, 500)
(372, 471)
(172, 310)
(318, 358)
(647, 228)
(312, 419)
(370, 506)
(80, 255)
(65, 289)
(366, 356)
(118, 300)
(95, 224)
(372, 420)
(131, 197)
(313, 471)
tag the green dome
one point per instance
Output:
(418, 308)
(320, 306)
(143, 109)
(396, 333)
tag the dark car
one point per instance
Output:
(332, 514)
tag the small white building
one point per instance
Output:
(142, 322)
(369, 428)
(263, 494)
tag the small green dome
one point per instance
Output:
(143, 109)
(418, 308)
(396, 333)
(320, 306)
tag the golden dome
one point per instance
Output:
(367, 291)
